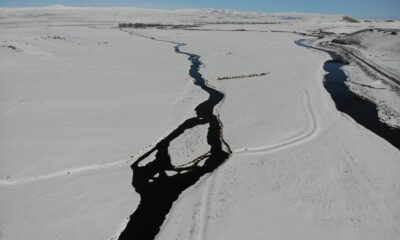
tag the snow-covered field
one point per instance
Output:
(80, 100)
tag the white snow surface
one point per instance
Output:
(189, 146)
(80, 100)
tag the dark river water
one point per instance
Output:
(159, 190)
(362, 111)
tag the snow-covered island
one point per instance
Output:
(126, 123)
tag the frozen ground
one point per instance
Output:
(79, 97)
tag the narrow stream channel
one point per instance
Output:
(362, 111)
(159, 190)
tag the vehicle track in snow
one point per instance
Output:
(64, 173)
(300, 138)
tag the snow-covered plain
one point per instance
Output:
(79, 97)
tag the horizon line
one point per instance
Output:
(205, 8)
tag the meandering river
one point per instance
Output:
(159, 190)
